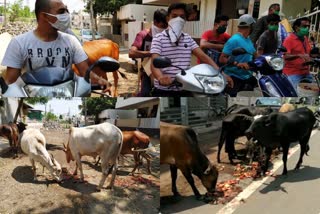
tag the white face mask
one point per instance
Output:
(155, 30)
(62, 23)
(176, 25)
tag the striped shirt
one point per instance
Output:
(180, 55)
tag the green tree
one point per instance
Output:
(50, 116)
(95, 105)
(17, 10)
(35, 100)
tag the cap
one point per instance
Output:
(245, 20)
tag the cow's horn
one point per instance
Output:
(64, 148)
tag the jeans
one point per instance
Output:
(297, 78)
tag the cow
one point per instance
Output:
(96, 49)
(281, 129)
(233, 126)
(33, 143)
(135, 143)
(248, 110)
(11, 131)
(103, 139)
(179, 148)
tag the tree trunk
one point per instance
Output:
(18, 110)
(92, 21)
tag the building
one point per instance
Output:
(142, 113)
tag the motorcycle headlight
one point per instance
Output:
(276, 63)
(62, 90)
(211, 85)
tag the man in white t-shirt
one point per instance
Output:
(46, 45)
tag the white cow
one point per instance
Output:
(33, 143)
(104, 140)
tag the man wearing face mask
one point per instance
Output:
(240, 74)
(298, 52)
(268, 41)
(46, 45)
(262, 23)
(178, 47)
(141, 48)
(212, 41)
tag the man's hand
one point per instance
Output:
(243, 66)
(229, 80)
(305, 57)
(165, 80)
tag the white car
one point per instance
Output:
(86, 35)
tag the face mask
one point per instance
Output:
(276, 12)
(62, 23)
(155, 30)
(176, 25)
(304, 31)
(273, 27)
(221, 29)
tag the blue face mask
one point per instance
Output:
(62, 23)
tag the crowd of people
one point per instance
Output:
(263, 36)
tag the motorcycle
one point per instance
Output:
(200, 79)
(56, 81)
(268, 69)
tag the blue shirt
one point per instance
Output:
(238, 41)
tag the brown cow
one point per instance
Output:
(11, 131)
(135, 140)
(179, 148)
(96, 49)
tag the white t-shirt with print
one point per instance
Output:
(27, 52)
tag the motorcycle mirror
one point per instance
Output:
(161, 62)
(238, 51)
(107, 64)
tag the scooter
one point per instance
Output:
(201, 79)
(56, 81)
(268, 68)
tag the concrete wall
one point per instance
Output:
(299, 6)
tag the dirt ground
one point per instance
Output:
(126, 87)
(209, 145)
(131, 194)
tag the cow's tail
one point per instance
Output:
(122, 75)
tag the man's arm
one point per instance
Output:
(136, 53)
(163, 79)
(83, 67)
(204, 44)
(11, 75)
(204, 58)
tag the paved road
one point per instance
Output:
(296, 193)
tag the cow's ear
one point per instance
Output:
(207, 171)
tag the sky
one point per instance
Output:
(73, 5)
(61, 106)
